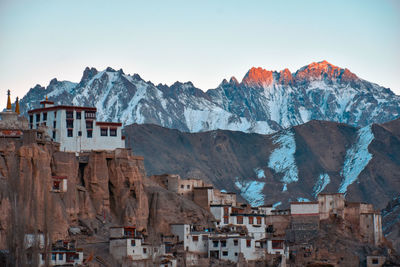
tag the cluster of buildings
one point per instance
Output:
(242, 233)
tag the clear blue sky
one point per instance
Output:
(200, 41)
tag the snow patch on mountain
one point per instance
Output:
(357, 158)
(251, 191)
(321, 183)
(277, 204)
(282, 158)
(260, 173)
(302, 199)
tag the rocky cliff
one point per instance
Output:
(103, 189)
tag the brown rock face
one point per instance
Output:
(101, 186)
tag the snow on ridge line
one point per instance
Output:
(260, 173)
(357, 158)
(251, 191)
(321, 183)
(282, 159)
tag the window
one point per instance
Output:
(375, 261)
(224, 253)
(45, 116)
(55, 114)
(69, 133)
(70, 114)
(144, 250)
(215, 244)
(56, 185)
(103, 131)
(60, 256)
(89, 133)
(54, 124)
(235, 253)
(223, 243)
(133, 243)
(78, 115)
(30, 118)
(70, 124)
(79, 133)
(248, 243)
(37, 117)
(235, 242)
(226, 210)
(277, 244)
(54, 134)
(204, 237)
(42, 256)
(90, 115)
(250, 220)
(113, 132)
(89, 124)
(258, 220)
(53, 257)
(226, 219)
(239, 219)
(195, 238)
(182, 186)
(188, 186)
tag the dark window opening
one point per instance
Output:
(113, 132)
(70, 124)
(223, 243)
(375, 261)
(69, 133)
(89, 133)
(248, 243)
(224, 253)
(70, 114)
(54, 134)
(89, 124)
(144, 250)
(195, 238)
(239, 220)
(30, 118)
(235, 242)
(79, 133)
(45, 116)
(37, 117)
(78, 115)
(215, 244)
(55, 114)
(133, 243)
(103, 131)
(56, 185)
(54, 124)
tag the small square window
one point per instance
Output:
(182, 186)
(375, 261)
(70, 124)
(223, 243)
(235, 242)
(78, 115)
(69, 133)
(195, 238)
(133, 243)
(113, 132)
(103, 131)
(70, 114)
(79, 133)
(188, 186)
(224, 253)
(236, 254)
(144, 250)
(215, 244)
(89, 133)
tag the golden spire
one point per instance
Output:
(17, 106)
(8, 100)
(47, 98)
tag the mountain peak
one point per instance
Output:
(88, 74)
(259, 77)
(324, 70)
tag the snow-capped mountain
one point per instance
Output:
(263, 102)
(294, 164)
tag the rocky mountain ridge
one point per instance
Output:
(263, 102)
(294, 164)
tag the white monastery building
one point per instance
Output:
(76, 128)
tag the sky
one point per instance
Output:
(199, 41)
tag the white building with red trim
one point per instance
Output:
(76, 128)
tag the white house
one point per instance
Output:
(230, 246)
(76, 128)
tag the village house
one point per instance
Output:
(63, 253)
(76, 128)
